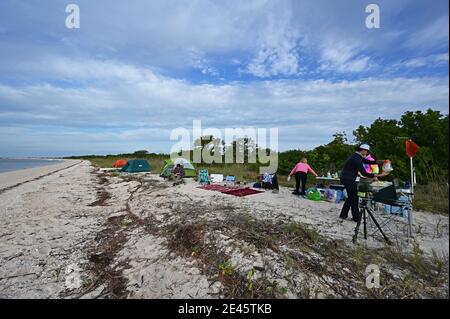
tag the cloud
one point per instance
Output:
(132, 73)
(434, 35)
(343, 58)
(277, 53)
(434, 60)
(199, 62)
(280, 60)
(131, 107)
(270, 39)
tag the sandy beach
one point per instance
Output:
(71, 231)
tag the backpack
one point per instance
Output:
(313, 194)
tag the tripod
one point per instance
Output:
(365, 209)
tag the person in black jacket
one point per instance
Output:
(352, 166)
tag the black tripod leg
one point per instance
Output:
(379, 227)
(358, 224)
(365, 223)
(355, 236)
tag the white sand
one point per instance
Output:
(49, 228)
(45, 224)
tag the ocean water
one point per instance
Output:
(14, 164)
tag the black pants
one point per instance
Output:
(352, 200)
(275, 182)
(300, 176)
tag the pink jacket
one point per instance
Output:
(302, 167)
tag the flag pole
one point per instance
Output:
(412, 197)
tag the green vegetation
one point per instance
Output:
(432, 197)
(156, 160)
(386, 136)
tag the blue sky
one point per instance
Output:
(136, 70)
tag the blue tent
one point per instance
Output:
(136, 166)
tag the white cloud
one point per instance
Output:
(138, 107)
(281, 60)
(433, 60)
(341, 57)
(119, 75)
(276, 44)
(199, 62)
(434, 35)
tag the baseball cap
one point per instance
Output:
(364, 147)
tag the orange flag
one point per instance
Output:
(411, 148)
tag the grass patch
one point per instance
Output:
(433, 197)
(189, 241)
(156, 161)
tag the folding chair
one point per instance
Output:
(397, 206)
(203, 177)
(216, 178)
(230, 180)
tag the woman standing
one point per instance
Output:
(300, 171)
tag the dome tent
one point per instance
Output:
(120, 163)
(169, 165)
(136, 166)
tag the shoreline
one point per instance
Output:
(30, 162)
(18, 177)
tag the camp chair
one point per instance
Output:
(177, 180)
(216, 178)
(269, 181)
(167, 170)
(398, 206)
(230, 180)
(203, 176)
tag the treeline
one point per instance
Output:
(138, 154)
(387, 138)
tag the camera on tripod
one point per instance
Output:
(368, 196)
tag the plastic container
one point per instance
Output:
(387, 167)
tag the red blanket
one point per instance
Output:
(216, 187)
(230, 191)
(242, 192)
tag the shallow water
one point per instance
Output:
(14, 164)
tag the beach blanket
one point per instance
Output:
(230, 190)
(240, 192)
(216, 187)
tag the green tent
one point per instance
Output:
(136, 166)
(167, 169)
(169, 165)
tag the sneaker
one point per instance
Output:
(295, 193)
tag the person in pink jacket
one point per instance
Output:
(300, 171)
